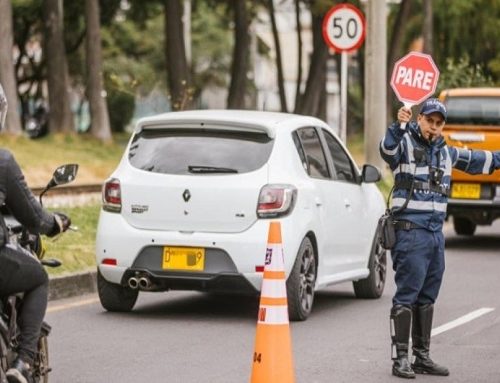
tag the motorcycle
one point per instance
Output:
(9, 305)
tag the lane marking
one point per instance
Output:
(462, 320)
(72, 304)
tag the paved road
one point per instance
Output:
(183, 337)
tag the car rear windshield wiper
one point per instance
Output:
(210, 169)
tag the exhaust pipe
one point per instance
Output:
(144, 283)
(133, 283)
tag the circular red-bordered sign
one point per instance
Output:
(344, 28)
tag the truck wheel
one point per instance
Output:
(372, 286)
(464, 226)
(301, 282)
(114, 297)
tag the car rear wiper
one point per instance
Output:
(210, 169)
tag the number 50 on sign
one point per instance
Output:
(344, 28)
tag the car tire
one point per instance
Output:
(114, 297)
(301, 282)
(372, 287)
(464, 226)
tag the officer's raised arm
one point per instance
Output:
(391, 146)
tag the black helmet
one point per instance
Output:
(3, 107)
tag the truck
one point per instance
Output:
(473, 122)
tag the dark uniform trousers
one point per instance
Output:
(418, 260)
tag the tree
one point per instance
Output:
(60, 116)
(299, 53)
(100, 127)
(394, 50)
(315, 86)
(179, 78)
(239, 66)
(7, 75)
(428, 30)
(277, 48)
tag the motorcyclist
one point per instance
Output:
(19, 270)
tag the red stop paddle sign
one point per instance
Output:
(414, 78)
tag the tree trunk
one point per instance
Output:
(7, 75)
(315, 86)
(100, 127)
(394, 49)
(239, 66)
(428, 27)
(299, 54)
(279, 64)
(179, 81)
(60, 115)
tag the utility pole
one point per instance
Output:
(375, 80)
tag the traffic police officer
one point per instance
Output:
(421, 163)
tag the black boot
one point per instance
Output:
(400, 335)
(19, 372)
(421, 338)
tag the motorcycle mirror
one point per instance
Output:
(63, 174)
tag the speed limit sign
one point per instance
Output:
(344, 28)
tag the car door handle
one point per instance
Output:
(347, 203)
(318, 201)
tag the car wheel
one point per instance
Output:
(301, 282)
(372, 287)
(464, 226)
(114, 297)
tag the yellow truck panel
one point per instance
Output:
(473, 123)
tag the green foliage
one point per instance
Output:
(467, 27)
(355, 109)
(121, 107)
(463, 74)
(212, 42)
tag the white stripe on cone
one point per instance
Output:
(273, 315)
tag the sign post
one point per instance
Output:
(414, 78)
(344, 32)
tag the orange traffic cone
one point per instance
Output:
(272, 359)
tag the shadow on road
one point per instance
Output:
(205, 306)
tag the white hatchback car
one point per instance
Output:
(189, 206)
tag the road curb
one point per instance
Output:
(72, 285)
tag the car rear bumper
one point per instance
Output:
(482, 212)
(162, 281)
(229, 257)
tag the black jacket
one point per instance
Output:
(19, 199)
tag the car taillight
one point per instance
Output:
(112, 196)
(276, 201)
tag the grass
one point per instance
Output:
(75, 249)
(38, 158)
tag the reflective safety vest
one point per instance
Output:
(411, 157)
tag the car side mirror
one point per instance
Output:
(370, 173)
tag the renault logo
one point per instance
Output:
(186, 195)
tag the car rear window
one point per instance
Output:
(473, 110)
(199, 151)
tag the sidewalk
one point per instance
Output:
(72, 285)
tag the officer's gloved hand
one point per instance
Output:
(61, 223)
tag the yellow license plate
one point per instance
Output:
(183, 258)
(470, 191)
